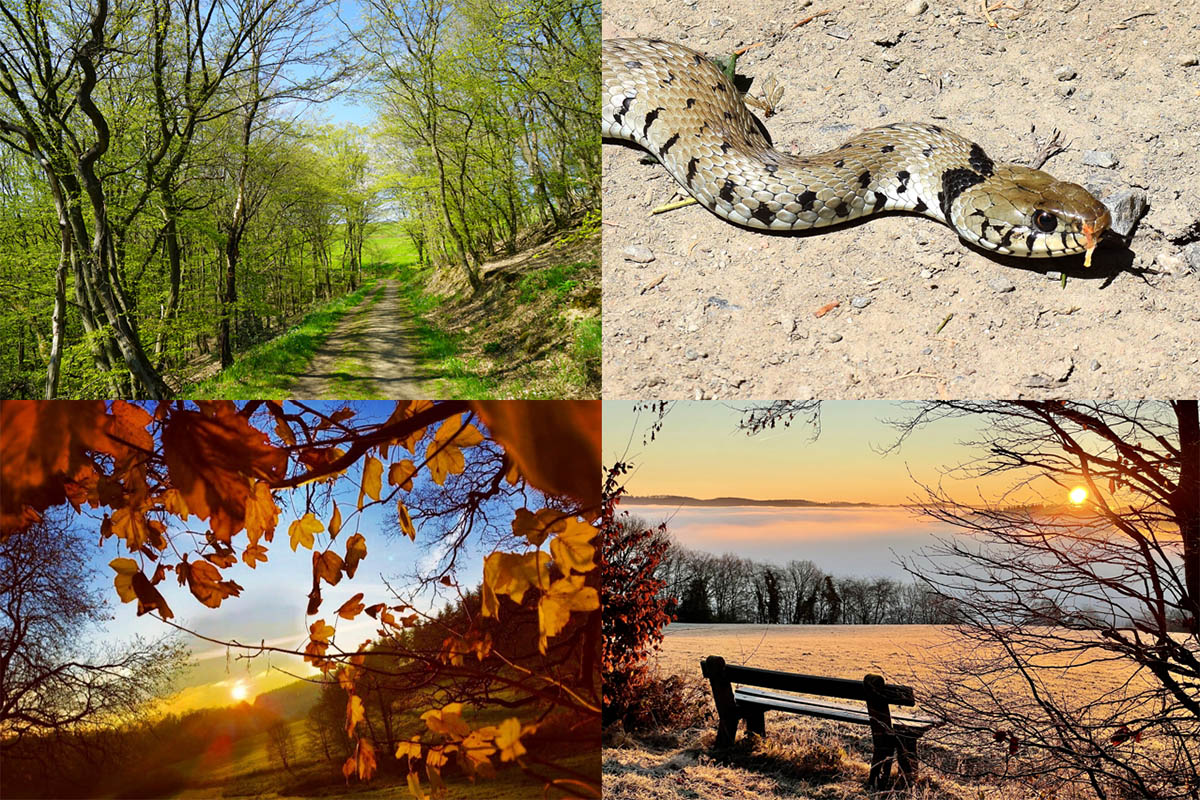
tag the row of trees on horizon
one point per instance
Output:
(161, 197)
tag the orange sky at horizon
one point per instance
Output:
(700, 453)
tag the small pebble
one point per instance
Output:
(838, 33)
(1166, 261)
(1191, 254)
(1095, 365)
(1002, 285)
(639, 254)
(1099, 158)
(883, 110)
(1064, 73)
(1064, 90)
(1189, 60)
(1126, 208)
(860, 302)
(916, 8)
(926, 274)
(835, 337)
(1054, 276)
(691, 355)
(927, 351)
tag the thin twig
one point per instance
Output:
(807, 20)
(672, 206)
(949, 317)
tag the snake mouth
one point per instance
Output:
(1091, 237)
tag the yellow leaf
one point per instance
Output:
(406, 523)
(352, 607)
(354, 714)
(262, 515)
(328, 565)
(443, 459)
(401, 474)
(508, 739)
(131, 525)
(253, 554)
(462, 436)
(555, 606)
(125, 567)
(512, 574)
(372, 480)
(301, 531)
(477, 750)
(571, 549)
(414, 786)
(335, 522)
(366, 759)
(409, 749)
(320, 632)
(356, 550)
(447, 720)
(536, 527)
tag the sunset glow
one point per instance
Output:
(1078, 495)
(239, 691)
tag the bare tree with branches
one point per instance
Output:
(1084, 664)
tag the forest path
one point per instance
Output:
(369, 355)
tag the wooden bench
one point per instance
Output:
(892, 735)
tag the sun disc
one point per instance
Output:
(1078, 495)
(238, 691)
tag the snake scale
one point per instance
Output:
(678, 105)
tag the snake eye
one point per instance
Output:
(1044, 220)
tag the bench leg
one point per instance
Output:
(727, 729)
(883, 750)
(756, 721)
(906, 758)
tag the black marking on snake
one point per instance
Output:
(928, 150)
(880, 200)
(691, 170)
(842, 210)
(691, 101)
(955, 182)
(763, 214)
(903, 177)
(865, 178)
(725, 147)
(920, 207)
(980, 162)
(633, 64)
(726, 192)
(771, 168)
(650, 117)
(887, 148)
(698, 59)
(728, 115)
(624, 109)
(935, 128)
(840, 163)
(720, 87)
(807, 198)
(668, 144)
(846, 146)
(669, 79)
(977, 213)
(1006, 239)
(1030, 240)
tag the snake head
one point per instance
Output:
(1031, 213)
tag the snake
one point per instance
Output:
(683, 109)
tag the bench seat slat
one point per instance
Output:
(821, 708)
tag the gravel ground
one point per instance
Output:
(722, 311)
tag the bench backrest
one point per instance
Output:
(871, 688)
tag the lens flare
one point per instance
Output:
(1077, 495)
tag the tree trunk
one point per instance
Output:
(1187, 506)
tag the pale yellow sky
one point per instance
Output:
(700, 453)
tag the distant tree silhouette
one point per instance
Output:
(695, 607)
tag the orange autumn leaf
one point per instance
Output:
(443, 459)
(131, 525)
(556, 445)
(366, 759)
(572, 548)
(372, 479)
(354, 714)
(125, 569)
(335, 522)
(508, 739)
(254, 554)
(301, 531)
(409, 749)
(414, 787)
(447, 721)
(221, 559)
(352, 607)
(406, 523)
(401, 474)
(356, 551)
(320, 632)
(262, 515)
(210, 454)
(328, 565)
(205, 582)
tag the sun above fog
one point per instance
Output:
(239, 691)
(1077, 495)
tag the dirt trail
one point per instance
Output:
(368, 355)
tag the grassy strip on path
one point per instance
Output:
(268, 370)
